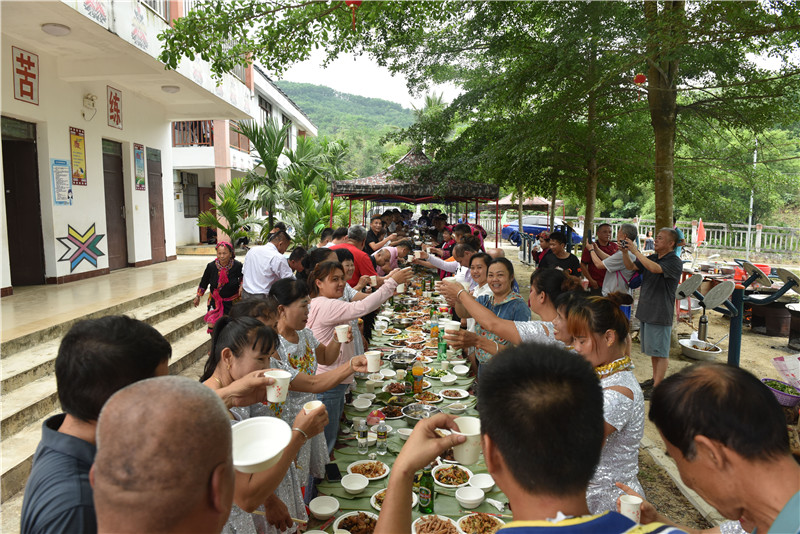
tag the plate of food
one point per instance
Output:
(391, 332)
(377, 499)
(480, 523)
(392, 412)
(434, 524)
(437, 373)
(403, 336)
(418, 411)
(428, 353)
(415, 339)
(357, 522)
(428, 397)
(414, 329)
(372, 469)
(395, 388)
(416, 314)
(432, 344)
(454, 394)
(450, 476)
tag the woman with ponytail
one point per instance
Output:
(241, 348)
(600, 329)
(546, 286)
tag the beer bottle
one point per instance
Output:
(426, 491)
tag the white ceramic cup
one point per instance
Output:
(373, 280)
(277, 392)
(341, 332)
(373, 361)
(401, 288)
(468, 452)
(631, 507)
(310, 406)
(370, 385)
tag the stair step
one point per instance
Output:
(9, 347)
(19, 445)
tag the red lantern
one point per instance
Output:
(353, 5)
(639, 80)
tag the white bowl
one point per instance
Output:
(369, 396)
(323, 507)
(457, 408)
(469, 497)
(388, 373)
(362, 404)
(461, 370)
(374, 428)
(258, 443)
(354, 483)
(404, 433)
(483, 481)
(377, 377)
(448, 379)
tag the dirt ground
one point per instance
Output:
(756, 356)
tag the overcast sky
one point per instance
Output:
(360, 76)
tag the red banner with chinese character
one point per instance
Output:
(114, 107)
(26, 75)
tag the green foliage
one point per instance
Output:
(231, 211)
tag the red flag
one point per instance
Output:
(701, 233)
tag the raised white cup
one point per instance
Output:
(401, 288)
(277, 392)
(310, 406)
(467, 453)
(418, 254)
(631, 507)
(410, 258)
(341, 332)
(373, 361)
(373, 280)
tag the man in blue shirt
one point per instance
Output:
(727, 435)
(96, 358)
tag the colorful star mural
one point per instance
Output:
(81, 247)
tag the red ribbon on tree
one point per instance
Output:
(353, 5)
(639, 80)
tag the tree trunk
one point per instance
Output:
(591, 148)
(663, 27)
(520, 201)
(553, 208)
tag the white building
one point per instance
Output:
(87, 153)
(208, 153)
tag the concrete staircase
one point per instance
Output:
(28, 383)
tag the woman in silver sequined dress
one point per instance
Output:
(599, 329)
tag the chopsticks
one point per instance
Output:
(298, 521)
(506, 516)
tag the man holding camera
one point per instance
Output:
(661, 273)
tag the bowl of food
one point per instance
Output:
(448, 379)
(388, 373)
(482, 481)
(699, 350)
(479, 522)
(469, 497)
(323, 507)
(404, 433)
(377, 377)
(786, 394)
(356, 522)
(451, 476)
(457, 408)
(419, 411)
(354, 483)
(369, 396)
(258, 443)
(362, 404)
(461, 370)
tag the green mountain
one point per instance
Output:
(358, 120)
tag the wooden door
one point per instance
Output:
(23, 209)
(206, 196)
(116, 227)
(158, 242)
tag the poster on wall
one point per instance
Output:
(138, 163)
(114, 107)
(26, 75)
(77, 148)
(62, 185)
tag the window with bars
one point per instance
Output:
(238, 141)
(191, 195)
(287, 120)
(266, 109)
(161, 7)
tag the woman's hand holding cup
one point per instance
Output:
(312, 423)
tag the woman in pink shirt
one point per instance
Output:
(326, 312)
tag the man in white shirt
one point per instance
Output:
(460, 267)
(265, 265)
(618, 276)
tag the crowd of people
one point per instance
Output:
(562, 415)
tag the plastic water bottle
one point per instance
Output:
(382, 432)
(363, 436)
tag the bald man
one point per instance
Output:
(163, 461)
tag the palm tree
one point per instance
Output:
(231, 211)
(269, 186)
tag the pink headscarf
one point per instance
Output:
(392, 259)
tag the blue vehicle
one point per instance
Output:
(533, 224)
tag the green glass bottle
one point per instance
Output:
(426, 491)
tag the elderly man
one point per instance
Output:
(460, 267)
(727, 435)
(265, 265)
(356, 237)
(594, 274)
(542, 458)
(661, 273)
(96, 358)
(163, 459)
(617, 277)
